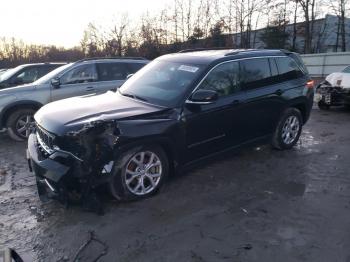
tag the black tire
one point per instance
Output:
(13, 122)
(323, 106)
(278, 141)
(118, 185)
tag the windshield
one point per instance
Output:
(161, 82)
(52, 74)
(346, 69)
(9, 73)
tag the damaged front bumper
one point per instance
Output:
(332, 96)
(52, 172)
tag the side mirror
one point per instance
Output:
(203, 97)
(55, 82)
(128, 76)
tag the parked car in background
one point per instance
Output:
(3, 70)
(335, 90)
(178, 109)
(25, 74)
(85, 77)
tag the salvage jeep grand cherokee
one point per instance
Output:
(177, 109)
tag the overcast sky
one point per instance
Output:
(62, 22)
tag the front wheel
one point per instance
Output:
(139, 173)
(19, 122)
(288, 130)
(323, 106)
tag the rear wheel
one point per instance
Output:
(323, 106)
(288, 130)
(19, 122)
(139, 173)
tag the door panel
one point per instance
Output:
(214, 127)
(263, 108)
(264, 96)
(80, 80)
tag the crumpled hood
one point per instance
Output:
(339, 79)
(72, 113)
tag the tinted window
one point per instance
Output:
(80, 74)
(299, 61)
(27, 75)
(134, 67)
(46, 69)
(224, 79)
(112, 71)
(288, 68)
(255, 73)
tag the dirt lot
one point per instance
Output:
(256, 205)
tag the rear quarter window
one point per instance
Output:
(112, 71)
(299, 61)
(288, 68)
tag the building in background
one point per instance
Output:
(326, 36)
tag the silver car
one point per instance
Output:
(84, 77)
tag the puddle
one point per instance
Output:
(307, 142)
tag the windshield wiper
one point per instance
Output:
(134, 96)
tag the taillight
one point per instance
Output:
(310, 84)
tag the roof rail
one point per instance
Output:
(204, 49)
(232, 53)
(115, 57)
(235, 52)
(285, 51)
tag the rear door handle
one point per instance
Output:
(279, 92)
(90, 88)
(235, 102)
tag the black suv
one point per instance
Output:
(179, 108)
(25, 74)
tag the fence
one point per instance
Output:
(321, 65)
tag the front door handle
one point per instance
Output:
(235, 102)
(279, 92)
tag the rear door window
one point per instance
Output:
(112, 71)
(288, 69)
(255, 73)
(134, 67)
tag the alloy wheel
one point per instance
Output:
(143, 173)
(23, 125)
(290, 130)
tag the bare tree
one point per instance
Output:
(340, 7)
(118, 35)
(308, 7)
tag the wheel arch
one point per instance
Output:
(165, 143)
(6, 112)
(302, 106)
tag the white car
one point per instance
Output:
(335, 90)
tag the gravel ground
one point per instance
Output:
(257, 204)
